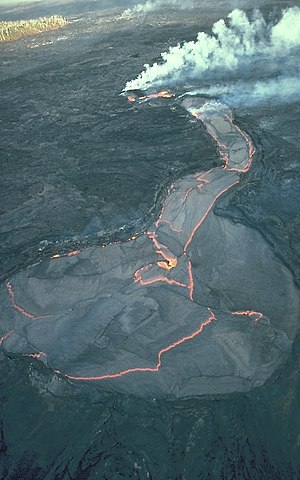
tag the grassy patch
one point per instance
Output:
(13, 30)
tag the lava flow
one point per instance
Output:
(249, 313)
(136, 97)
(69, 254)
(188, 204)
(186, 209)
(15, 305)
(110, 376)
(5, 336)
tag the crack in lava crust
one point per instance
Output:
(203, 190)
(182, 340)
(15, 305)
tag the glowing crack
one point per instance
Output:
(122, 373)
(204, 188)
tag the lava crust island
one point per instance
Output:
(196, 305)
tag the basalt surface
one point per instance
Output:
(196, 305)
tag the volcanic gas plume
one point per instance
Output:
(152, 5)
(197, 303)
(243, 54)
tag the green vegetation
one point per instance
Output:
(22, 28)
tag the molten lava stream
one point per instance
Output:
(161, 352)
(15, 305)
(168, 263)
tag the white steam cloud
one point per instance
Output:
(152, 5)
(251, 93)
(240, 47)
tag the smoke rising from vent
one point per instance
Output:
(238, 49)
(152, 5)
(245, 94)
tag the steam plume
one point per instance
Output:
(238, 47)
(152, 5)
(251, 93)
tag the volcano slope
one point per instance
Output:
(196, 305)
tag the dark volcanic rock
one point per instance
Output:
(197, 305)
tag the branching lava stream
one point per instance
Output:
(185, 213)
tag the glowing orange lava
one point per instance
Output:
(37, 356)
(15, 305)
(162, 94)
(249, 313)
(191, 281)
(69, 254)
(5, 336)
(161, 352)
(189, 190)
(169, 261)
(159, 278)
(205, 215)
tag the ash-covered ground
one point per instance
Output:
(81, 166)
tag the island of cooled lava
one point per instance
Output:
(196, 305)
